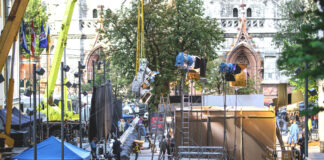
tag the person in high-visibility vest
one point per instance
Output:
(136, 149)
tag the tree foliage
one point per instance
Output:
(300, 40)
(299, 85)
(169, 28)
(214, 84)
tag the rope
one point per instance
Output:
(140, 35)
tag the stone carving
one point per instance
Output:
(230, 23)
(242, 59)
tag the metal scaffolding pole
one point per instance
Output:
(34, 112)
(62, 111)
(80, 117)
(306, 117)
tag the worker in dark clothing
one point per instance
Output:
(301, 143)
(169, 140)
(116, 148)
(163, 147)
(93, 146)
(66, 131)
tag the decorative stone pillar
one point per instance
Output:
(321, 114)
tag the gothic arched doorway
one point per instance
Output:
(242, 54)
(93, 58)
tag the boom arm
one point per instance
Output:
(61, 42)
(8, 35)
(11, 28)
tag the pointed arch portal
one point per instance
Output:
(243, 54)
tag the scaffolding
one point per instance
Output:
(201, 152)
(189, 148)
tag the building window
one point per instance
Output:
(95, 13)
(269, 75)
(249, 12)
(270, 69)
(235, 12)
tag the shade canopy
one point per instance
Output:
(25, 119)
(50, 149)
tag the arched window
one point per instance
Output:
(235, 12)
(95, 13)
(249, 12)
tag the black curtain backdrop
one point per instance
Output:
(101, 113)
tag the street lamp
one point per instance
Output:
(74, 85)
(30, 113)
(312, 91)
(68, 84)
(28, 93)
(39, 71)
(86, 107)
(297, 72)
(64, 68)
(79, 75)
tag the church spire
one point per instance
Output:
(242, 9)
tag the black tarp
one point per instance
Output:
(117, 114)
(101, 113)
(25, 119)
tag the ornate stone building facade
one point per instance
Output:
(257, 51)
(251, 43)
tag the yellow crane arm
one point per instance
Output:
(11, 28)
(60, 45)
(7, 38)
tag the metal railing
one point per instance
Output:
(205, 152)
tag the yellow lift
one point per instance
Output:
(7, 38)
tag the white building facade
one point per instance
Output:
(262, 23)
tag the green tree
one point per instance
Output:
(300, 40)
(302, 43)
(169, 29)
(214, 84)
(299, 85)
(36, 13)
